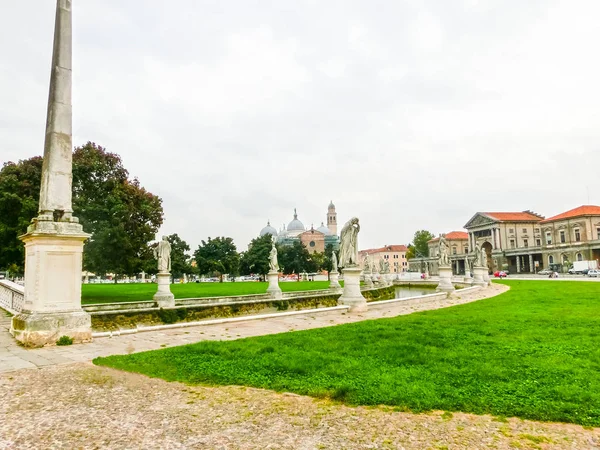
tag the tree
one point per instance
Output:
(217, 256)
(256, 259)
(119, 213)
(418, 247)
(295, 258)
(19, 196)
(179, 259)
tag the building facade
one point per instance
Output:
(526, 242)
(314, 239)
(458, 242)
(395, 255)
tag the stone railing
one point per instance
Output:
(11, 296)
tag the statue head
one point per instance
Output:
(164, 238)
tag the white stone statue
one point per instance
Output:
(367, 264)
(349, 243)
(334, 263)
(443, 256)
(162, 252)
(484, 262)
(273, 264)
(386, 267)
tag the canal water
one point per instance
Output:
(413, 291)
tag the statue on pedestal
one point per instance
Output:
(349, 243)
(367, 264)
(334, 262)
(162, 253)
(273, 264)
(443, 257)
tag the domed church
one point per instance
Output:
(314, 239)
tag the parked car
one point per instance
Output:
(593, 273)
(572, 271)
(545, 272)
(500, 274)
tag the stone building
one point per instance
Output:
(458, 242)
(395, 255)
(314, 239)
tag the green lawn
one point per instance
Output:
(109, 293)
(533, 352)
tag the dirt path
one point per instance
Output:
(84, 406)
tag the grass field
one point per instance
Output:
(109, 293)
(533, 352)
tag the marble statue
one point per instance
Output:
(273, 264)
(443, 258)
(162, 252)
(484, 262)
(367, 264)
(334, 262)
(349, 243)
(386, 267)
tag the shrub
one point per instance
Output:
(64, 340)
(168, 315)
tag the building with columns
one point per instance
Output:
(512, 240)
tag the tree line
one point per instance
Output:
(123, 219)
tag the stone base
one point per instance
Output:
(274, 290)
(478, 276)
(334, 280)
(445, 284)
(352, 296)
(39, 329)
(468, 279)
(163, 297)
(486, 276)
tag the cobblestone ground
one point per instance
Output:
(84, 406)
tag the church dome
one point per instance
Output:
(323, 229)
(268, 230)
(295, 225)
(331, 205)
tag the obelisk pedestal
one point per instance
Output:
(478, 276)
(274, 290)
(164, 298)
(351, 295)
(445, 283)
(54, 240)
(334, 280)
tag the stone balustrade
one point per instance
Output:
(11, 296)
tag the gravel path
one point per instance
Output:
(84, 406)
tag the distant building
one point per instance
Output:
(526, 242)
(314, 239)
(394, 254)
(458, 242)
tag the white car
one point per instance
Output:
(593, 273)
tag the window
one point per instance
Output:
(512, 243)
(466, 249)
(548, 238)
(577, 235)
(536, 230)
(312, 243)
(597, 233)
(579, 257)
(538, 242)
(563, 239)
(511, 230)
(524, 230)
(525, 243)
(565, 259)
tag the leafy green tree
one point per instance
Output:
(217, 256)
(295, 258)
(180, 261)
(119, 213)
(19, 196)
(256, 259)
(418, 247)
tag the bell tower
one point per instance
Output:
(332, 218)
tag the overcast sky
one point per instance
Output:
(407, 114)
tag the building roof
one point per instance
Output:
(268, 230)
(386, 248)
(525, 216)
(323, 229)
(453, 236)
(295, 225)
(584, 210)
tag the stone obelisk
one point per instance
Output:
(54, 240)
